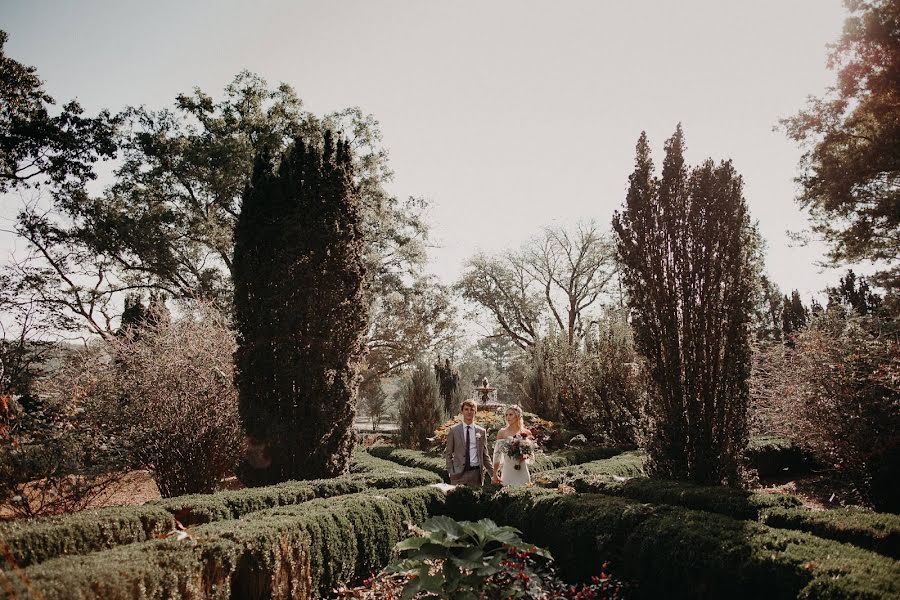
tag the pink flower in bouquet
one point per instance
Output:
(520, 447)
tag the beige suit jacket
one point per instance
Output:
(455, 452)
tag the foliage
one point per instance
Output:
(35, 145)
(373, 400)
(673, 552)
(835, 393)
(625, 464)
(604, 387)
(559, 274)
(448, 384)
(58, 475)
(879, 532)
(542, 389)
(420, 408)
(301, 311)
(855, 295)
(689, 257)
(850, 169)
(164, 398)
(463, 559)
(769, 455)
(37, 541)
(305, 551)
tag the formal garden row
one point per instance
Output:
(304, 539)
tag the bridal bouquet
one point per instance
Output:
(520, 447)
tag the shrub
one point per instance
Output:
(412, 458)
(58, 475)
(420, 409)
(603, 386)
(627, 464)
(462, 559)
(301, 551)
(169, 397)
(678, 553)
(37, 541)
(301, 309)
(837, 394)
(770, 455)
(688, 250)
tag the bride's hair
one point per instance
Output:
(518, 410)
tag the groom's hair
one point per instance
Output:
(468, 402)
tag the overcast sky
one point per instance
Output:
(506, 116)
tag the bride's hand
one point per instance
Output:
(495, 479)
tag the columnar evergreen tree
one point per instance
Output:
(687, 248)
(795, 315)
(448, 383)
(301, 312)
(420, 407)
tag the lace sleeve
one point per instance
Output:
(499, 448)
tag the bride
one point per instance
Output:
(505, 470)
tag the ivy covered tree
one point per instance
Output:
(688, 253)
(301, 310)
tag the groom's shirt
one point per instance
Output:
(474, 457)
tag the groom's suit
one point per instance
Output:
(479, 458)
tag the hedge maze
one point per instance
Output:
(302, 539)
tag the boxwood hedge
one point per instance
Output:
(676, 552)
(297, 551)
(32, 542)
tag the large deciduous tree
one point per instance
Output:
(850, 170)
(38, 146)
(687, 247)
(561, 273)
(301, 311)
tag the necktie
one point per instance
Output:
(468, 458)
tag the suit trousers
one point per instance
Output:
(470, 478)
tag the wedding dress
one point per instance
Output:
(509, 475)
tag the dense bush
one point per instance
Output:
(603, 386)
(168, 396)
(60, 474)
(878, 532)
(770, 455)
(836, 393)
(624, 465)
(420, 408)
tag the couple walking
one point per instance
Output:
(468, 458)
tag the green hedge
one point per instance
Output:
(874, 531)
(771, 455)
(626, 464)
(879, 532)
(675, 552)
(412, 458)
(299, 551)
(33, 542)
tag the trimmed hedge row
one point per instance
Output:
(676, 552)
(870, 530)
(626, 464)
(29, 543)
(412, 458)
(288, 551)
(543, 463)
(879, 532)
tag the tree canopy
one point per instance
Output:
(850, 170)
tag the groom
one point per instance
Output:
(467, 452)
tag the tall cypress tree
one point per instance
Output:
(301, 312)
(686, 246)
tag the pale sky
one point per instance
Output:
(507, 116)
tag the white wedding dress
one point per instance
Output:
(509, 475)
